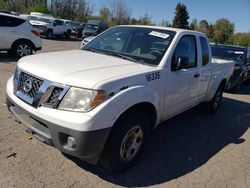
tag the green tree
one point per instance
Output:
(165, 23)
(120, 12)
(145, 20)
(104, 13)
(223, 30)
(203, 26)
(181, 17)
(193, 25)
(210, 32)
(241, 39)
(2, 4)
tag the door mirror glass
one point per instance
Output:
(180, 63)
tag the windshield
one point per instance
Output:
(89, 27)
(46, 20)
(228, 52)
(143, 45)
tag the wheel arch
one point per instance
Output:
(144, 107)
(223, 83)
(23, 40)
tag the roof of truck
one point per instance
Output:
(163, 28)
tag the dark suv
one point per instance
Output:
(241, 56)
(93, 28)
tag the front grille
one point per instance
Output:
(38, 27)
(37, 92)
(36, 84)
(53, 100)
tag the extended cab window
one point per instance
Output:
(204, 50)
(186, 49)
(8, 21)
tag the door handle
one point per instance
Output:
(197, 75)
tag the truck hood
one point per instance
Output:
(79, 68)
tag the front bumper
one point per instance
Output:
(38, 48)
(88, 144)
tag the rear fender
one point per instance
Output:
(216, 81)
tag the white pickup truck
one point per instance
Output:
(100, 103)
(50, 27)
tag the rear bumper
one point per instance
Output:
(87, 145)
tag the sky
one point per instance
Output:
(237, 11)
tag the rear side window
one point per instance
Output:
(204, 50)
(7, 21)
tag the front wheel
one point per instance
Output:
(212, 106)
(68, 33)
(22, 49)
(49, 34)
(125, 142)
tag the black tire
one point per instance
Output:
(22, 48)
(68, 34)
(49, 34)
(128, 134)
(212, 106)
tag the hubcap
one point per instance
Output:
(131, 143)
(23, 50)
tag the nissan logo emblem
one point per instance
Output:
(27, 86)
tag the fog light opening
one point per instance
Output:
(71, 142)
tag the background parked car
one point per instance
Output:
(10, 12)
(49, 27)
(239, 56)
(86, 40)
(93, 28)
(18, 36)
(77, 30)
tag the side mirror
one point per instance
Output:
(179, 63)
(54, 24)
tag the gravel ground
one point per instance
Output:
(190, 150)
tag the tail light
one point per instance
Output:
(37, 33)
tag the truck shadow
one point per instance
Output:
(181, 145)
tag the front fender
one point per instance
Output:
(135, 95)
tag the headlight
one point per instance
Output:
(82, 100)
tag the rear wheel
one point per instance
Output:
(22, 48)
(49, 34)
(212, 106)
(125, 142)
(68, 34)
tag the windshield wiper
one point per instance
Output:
(94, 50)
(115, 55)
(124, 57)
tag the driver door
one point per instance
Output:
(58, 27)
(182, 88)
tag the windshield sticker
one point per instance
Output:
(159, 34)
